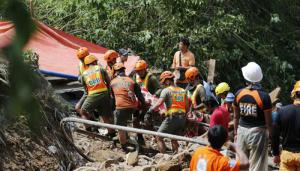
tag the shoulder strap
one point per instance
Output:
(180, 64)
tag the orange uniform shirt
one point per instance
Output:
(123, 88)
(209, 159)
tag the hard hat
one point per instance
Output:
(89, 59)
(118, 66)
(140, 65)
(295, 89)
(82, 52)
(192, 73)
(110, 55)
(165, 75)
(221, 88)
(229, 97)
(252, 72)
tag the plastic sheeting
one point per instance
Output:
(57, 49)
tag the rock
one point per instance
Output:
(168, 166)
(164, 158)
(183, 156)
(108, 163)
(119, 168)
(148, 168)
(145, 160)
(132, 158)
(144, 168)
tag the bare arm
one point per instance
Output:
(236, 116)
(244, 162)
(192, 60)
(174, 62)
(268, 118)
(158, 103)
(139, 95)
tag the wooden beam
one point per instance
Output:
(211, 65)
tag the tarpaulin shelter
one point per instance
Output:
(57, 49)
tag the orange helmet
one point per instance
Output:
(119, 65)
(165, 75)
(110, 55)
(192, 73)
(140, 65)
(295, 89)
(82, 52)
(89, 59)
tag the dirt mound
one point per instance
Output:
(20, 152)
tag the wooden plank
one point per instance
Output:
(211, 65)
(274, 94)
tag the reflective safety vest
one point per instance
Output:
(82, 67)
(143, 82)
(193, 96)
(94, 81)
(178, 100)
(110, 72)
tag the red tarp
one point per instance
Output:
(57, 49)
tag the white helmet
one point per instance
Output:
(252, 72)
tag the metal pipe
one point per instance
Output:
(129, 129)
(135, 130)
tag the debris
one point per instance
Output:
(132, 158)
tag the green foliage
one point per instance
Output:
(233, 32)
(22, 81)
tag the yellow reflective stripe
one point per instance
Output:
(81, 67)
(146, 80)
(193, 97)
(175, 110)
(97, 91)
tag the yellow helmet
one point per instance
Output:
(295, 89)
(89, 59)
(221, 88)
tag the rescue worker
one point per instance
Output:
(82, 52)
(182, 60)
(219, 115)
(196, 95)
(209, 158)
(176, 102)
(125, 91)
(221, 91)
(97, 82)
(195, 89)
(144, 78)
(148, 81)
(252, 118)
(287, 126)
(110, 57)
(228, 102)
